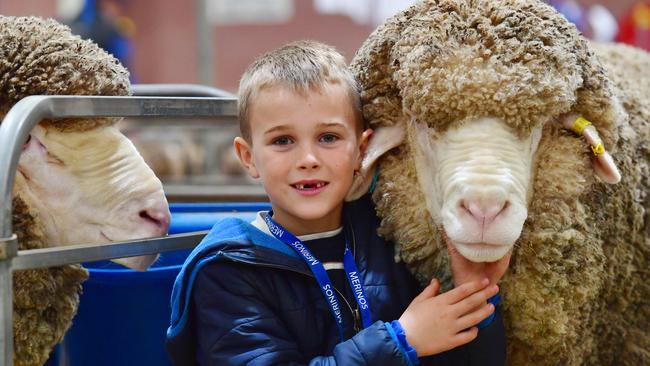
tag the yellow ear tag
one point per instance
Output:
(579, 125)
(598, 149)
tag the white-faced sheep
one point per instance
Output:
(481, 93)
(78, 181)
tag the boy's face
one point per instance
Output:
(305, 149)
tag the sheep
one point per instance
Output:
(470, 101)
(78, 180)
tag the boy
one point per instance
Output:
(256, 294)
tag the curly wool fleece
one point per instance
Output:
(577, 291)
(42, 57)
(39, 56)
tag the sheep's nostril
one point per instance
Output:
(465, 207)
(158, 217)
(485, 213)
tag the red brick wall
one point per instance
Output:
(165, 42)
(236, 46)
(43, 8)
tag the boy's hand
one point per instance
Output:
(435, 323)
(465, 271)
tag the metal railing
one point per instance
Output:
(179, 90)
(15, 129)
(184, 192)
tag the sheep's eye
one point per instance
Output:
(29, 138)
(282, 141)
(328, 138)
(52, 159)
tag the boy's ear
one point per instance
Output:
(363, 146)
(245, 155)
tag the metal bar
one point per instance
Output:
(205, 49)
(6, 314)
(180, 90)
(8, 248)
(58, 256)
(215, 193)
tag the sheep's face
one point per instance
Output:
(472, 84)
(476, 180)
(91, 186)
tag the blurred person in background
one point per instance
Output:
(595, 21)
(105, 23)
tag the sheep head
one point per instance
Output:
(89, 187)
(474, 94)
(82, 179)
(78, 180)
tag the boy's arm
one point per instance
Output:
(233, 326)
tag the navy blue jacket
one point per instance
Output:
(243, 297)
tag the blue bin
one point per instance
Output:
(123, 314)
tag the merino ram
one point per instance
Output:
(78, 181)
(471, 100)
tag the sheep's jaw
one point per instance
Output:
(481, 252)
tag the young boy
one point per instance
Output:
(253, 293)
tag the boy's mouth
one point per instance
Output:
(308, 185)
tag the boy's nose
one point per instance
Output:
(309, 160)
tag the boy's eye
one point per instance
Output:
(282, 140)
(328, 138)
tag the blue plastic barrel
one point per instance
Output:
(123, 314)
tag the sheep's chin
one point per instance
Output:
(140, 263)
(479, 252)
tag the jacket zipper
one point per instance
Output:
(354, 312)
(358, 325)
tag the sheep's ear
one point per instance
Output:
(383, 139)
(602, 161)
(606, 169)
(598, 100)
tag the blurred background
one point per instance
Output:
(210, 42)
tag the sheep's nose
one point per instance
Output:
(156, 213)
(158, 217)
(485, 211)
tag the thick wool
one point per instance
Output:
(42, 57)
(578, 289)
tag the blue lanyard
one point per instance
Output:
(321, 276)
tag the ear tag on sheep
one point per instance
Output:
(603, 163)
(383, 140)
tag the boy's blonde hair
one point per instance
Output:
(302, 66)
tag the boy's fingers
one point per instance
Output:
(435, 287)
(475, 300)
(464, 337)
(464, 290)
(429, 291)
(475, 317)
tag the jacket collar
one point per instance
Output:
(241, 241)
(235, 240)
